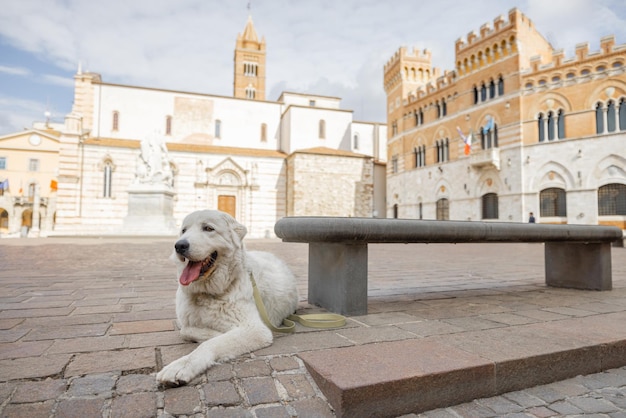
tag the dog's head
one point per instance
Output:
(208, 239)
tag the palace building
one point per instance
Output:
(256, 159)
(516, 127)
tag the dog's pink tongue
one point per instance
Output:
(190, 273)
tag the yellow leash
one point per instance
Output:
(289, 323)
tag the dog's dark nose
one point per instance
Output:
(182, 246)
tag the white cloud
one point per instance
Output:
(58, 80)
(17, 114)
(338, 47)
(21, 71)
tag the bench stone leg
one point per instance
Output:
(578, 265)
(338, 277)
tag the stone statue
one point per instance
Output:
(153, 164)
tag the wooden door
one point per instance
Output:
(227, 204)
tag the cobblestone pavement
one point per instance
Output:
(85, 323)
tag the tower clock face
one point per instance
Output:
(34, 139)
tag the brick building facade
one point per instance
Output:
(547, 132)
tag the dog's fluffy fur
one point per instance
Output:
(214, 300)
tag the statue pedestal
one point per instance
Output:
(150, 210)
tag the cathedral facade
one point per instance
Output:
(258, 160)
(517, 127)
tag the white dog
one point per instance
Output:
(214, 300)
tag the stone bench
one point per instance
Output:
(576, 256)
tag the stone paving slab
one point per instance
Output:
(86, 322)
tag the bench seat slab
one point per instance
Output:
(578, 265)
(338, 277)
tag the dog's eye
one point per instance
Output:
(207, 228)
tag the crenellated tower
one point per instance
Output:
(404, 73)
(249, 80)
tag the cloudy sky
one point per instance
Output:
(328, 47)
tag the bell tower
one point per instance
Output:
(249, 80)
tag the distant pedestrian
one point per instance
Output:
(531, 218)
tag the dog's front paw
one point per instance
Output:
(179, 372)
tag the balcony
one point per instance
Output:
(486, 158)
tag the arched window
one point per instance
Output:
(168, 125)
(417, 118)
(489, 137)
(443, 150)
(421, 112)
(395, 211)
(492, 89)
(475, 91)
(490, 206)
(444, 107)
(108, 177)
(356, 141)
(438, 109)
(116, 120)
(264, 132)
(483, 92)
(495, 135)
(322, 129)
(610, 116)
(250, 93)
(561, 124)
(500, 86)
(420, 156)
(622, 114)
(218, 128)
(599, 118)
(553, 202)
(550, 126)
(612, 200)
(4, 219)
(443, 209)
(540, 128)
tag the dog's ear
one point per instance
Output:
(239, 230)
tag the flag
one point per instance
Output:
(488, 126)
(53, 185)
(4, 185)
(467, 140)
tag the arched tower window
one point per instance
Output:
(218, 128)
(168, 125)
(116, 120)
